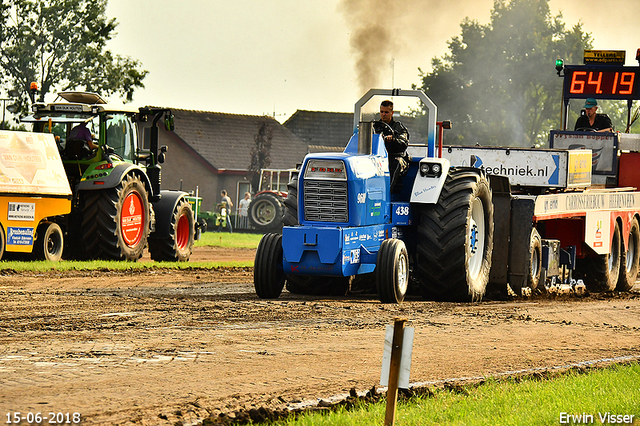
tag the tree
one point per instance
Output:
(498, 84)
(260, 153)
(61, 45)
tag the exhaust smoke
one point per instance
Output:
(372, 25)
(405, 31)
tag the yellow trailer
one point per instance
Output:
(34, 190)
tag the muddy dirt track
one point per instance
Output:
(164, 347)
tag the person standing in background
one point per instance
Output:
(226, 205)
(243, 210)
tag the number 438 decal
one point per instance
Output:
(402, 211)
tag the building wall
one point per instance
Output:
(185, 167)
(190, 162)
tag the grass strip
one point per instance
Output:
(224, 239)
(581, 395)
(14, 266)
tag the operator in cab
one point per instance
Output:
(396, 140)
(81, 132)
(591, 121)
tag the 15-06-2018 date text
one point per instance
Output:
(51, 418)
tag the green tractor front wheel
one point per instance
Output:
(116, 221)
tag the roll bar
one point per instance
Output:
(428, 103)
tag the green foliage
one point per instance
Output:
(61, 44)
(6, 125)
(498, 83)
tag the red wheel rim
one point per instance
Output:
(182, 232)
(132, 219)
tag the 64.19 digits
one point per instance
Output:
(49, 418)
(595, 83)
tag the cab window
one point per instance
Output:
(120, 135)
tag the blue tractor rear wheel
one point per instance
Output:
(455, 238)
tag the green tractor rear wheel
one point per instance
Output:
(178, 245)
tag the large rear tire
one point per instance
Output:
(630, 259)
(178, 245)
(268, 275)
(392, 271)
(291, 202)
(49, 242)
(266, 213)
(115, 221)
(455, 238)
(601, 273)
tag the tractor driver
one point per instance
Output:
(593, 121)
(81, 132)
(396, 140)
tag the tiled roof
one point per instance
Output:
(334, 129)
(225, 140)
(321, 128)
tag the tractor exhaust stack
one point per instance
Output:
(365, 137)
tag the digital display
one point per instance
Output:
(325, 169)
(606, 82)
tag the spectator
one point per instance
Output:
(243, 210)
(224, 208)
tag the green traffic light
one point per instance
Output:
(559, 65)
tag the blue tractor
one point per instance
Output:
(345, 225)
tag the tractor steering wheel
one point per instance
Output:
(585, 129)
(394, 133)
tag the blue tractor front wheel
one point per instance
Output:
(268, 276)
(392, 271)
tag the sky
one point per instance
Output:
(274, 57)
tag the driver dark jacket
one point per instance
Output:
(602, 121)
(398, 145)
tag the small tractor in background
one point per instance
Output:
(118, 207)
(266, 211)
(216, 220)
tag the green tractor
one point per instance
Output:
(118, 208)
